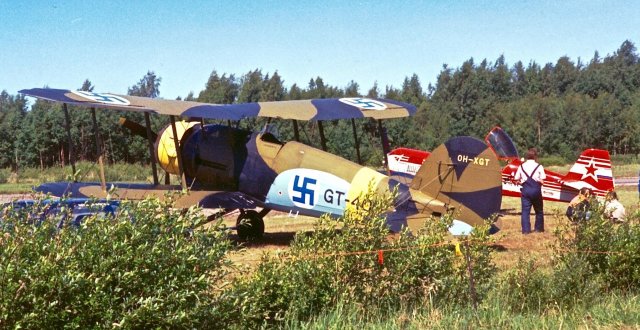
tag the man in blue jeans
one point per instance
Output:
(531, 174)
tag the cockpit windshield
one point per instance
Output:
(269, 133)
(501, 144)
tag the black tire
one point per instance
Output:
(250, 225)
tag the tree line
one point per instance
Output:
(561, 108)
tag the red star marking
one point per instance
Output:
(591, 171)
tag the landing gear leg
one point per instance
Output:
(250, 224)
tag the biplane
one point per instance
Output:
(229, 168)
(591, 170)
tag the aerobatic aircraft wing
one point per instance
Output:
(137, 191)
(316, 109)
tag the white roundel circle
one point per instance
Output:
(364, 103)
(102, 98)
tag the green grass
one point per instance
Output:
(23, 180)
(15, 188)
(611, 312)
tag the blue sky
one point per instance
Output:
(114, 43)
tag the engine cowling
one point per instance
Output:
(166, 153)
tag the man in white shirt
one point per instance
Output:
(531, 174)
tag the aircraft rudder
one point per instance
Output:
(594, 168)
(465, 174)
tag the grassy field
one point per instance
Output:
(15, 188)
(611, 312)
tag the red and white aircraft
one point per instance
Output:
(592, 169)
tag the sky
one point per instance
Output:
(59, 44)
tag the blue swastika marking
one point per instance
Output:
(105, 98)
(366, 104)
(303, 190)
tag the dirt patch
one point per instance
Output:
(4, 198)
(511, 244)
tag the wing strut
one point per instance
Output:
(147, 122)
(296, 132)
(355, 138)
(176, 141)
(385, 144)
(323, 139)
(103, 181)
(72, 159)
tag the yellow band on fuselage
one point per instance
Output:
(361, 181)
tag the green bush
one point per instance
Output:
(609, 251)
(339, 264)
(590, 258)
(524, 288)
(147, 267)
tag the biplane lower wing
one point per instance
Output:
(137, 191)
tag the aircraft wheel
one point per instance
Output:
(249, 225)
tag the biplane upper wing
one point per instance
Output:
(316, 109)
(137, 191)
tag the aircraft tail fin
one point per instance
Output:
(463, 174)
(591, 170)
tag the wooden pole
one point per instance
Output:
(472, 287)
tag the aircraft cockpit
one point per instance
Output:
(269, 133)
(214, 155)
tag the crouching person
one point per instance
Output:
(579, 207)
(613, 209)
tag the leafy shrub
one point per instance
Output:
(144, 268)
(339, 264)
(597, 255)
(523, 288)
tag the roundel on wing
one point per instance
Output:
(102, 98)
(364, 103)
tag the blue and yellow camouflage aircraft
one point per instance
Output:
(230, 168)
